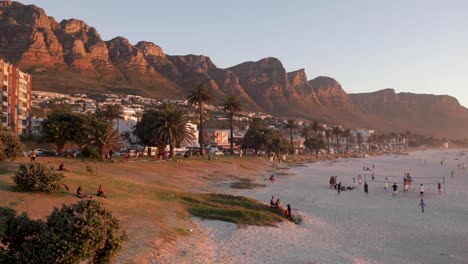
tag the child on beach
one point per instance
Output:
(422, 204)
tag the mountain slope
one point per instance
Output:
(70, 56)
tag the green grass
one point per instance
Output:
(245, 184)
(234, 209)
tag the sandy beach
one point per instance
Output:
(346, 228)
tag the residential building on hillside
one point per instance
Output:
(16, 98)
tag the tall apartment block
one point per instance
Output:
(15, 98)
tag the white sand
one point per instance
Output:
(350, 228)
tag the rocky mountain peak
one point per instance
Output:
(150, 49)
(18, 13)
(297, 77)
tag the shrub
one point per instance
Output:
(38, 176)
(82, 232)
(90, 153)
(10, 146)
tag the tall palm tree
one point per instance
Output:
(347, 136)
(306, 132)
(336, 131)
(138, 114)
(359, 140)
(256, 123)
(316, 128)
(199, 96)
(232, 105)
(328, 135)
(104, 136)
(291, 125)
(113, 112)
(172, 128)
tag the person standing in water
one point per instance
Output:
(366, 188)
(422, 204)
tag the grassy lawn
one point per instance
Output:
(151, 198)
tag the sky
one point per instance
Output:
(418, 46)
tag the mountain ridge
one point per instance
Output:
(71, 55)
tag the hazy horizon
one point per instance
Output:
(416, 47)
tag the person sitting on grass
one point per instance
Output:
(272, 202)
(277, 203)
(81, 194)
(62, 167)
(100, 192)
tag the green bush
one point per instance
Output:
(77, 233)
(10, 146)
(38, 176)
(90, 153)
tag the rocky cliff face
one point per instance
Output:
(440, 116)
(71, 56)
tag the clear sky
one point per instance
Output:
(418, 46)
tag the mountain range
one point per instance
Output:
(70, 56)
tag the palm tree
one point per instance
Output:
(138, 114)
(199, 96)
(232, 105)
(336, 131)
(359, 140)
(347, 136)
(103, 136)
(316, 128)
(172, 128)
(113, 112)
(306, 131)
(256, 123)
(291, 125)
(328, 135)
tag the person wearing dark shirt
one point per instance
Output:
(366, 188)
(395, 189)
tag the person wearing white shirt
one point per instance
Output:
(421, 190)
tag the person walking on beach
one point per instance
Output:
(395, 189)
(366, 188)
(386, 184)
(439, 187)
(421, 190)
(422, 204)
(339, 188)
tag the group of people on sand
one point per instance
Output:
(275, 203)
(81, 194)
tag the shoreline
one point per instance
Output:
(226, 238)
